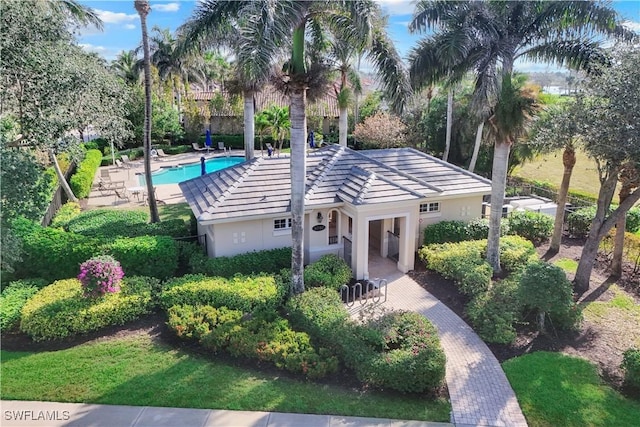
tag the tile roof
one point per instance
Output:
(335, 175)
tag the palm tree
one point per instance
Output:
(507, 123)
(143, 9)
(127, 66)
(487, 37)
(277, 119)
(261, 127)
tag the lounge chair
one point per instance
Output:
(105, 175)
(126, 161)
(121, 194)
(109, 187)
(121, 165)
(161, 153)
(197, 147)
(221, 146)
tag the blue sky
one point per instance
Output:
(122, 24)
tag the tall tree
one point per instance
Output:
(277, 119)
(127, 67)
(487, 37)
(557, 129)
(609, 130)
(143, 9)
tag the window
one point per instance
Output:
(430, 207)
(282, 224)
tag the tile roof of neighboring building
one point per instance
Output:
(335, 174)
(327, 106)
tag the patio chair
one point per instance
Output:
(221, 146)
(197, 147)
(121, 194)
(126, 161)
(108, 187)
(121, 165)
(105, 175)
(161, 153)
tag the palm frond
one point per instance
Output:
(576, 54)
(429, 13)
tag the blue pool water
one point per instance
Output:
(177, 174)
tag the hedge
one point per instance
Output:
(66, 213)
(494, 312)
(155, 256)
(13, 298)
(82, 180)
(631, 367)
(59, 310)
(329, 271)
(109, 223)
(267, 261)
(51, 253)
(533, 226)
(459, 231)
(244, 293)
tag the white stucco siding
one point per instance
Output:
(460, 209)
(246, 236)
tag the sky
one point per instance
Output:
(122, 25)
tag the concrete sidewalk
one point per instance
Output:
(52, 414)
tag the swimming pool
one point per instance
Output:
(177, 174)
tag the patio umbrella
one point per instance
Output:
(311, 141)
(207, 139)
(203, 167)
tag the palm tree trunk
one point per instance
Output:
(476, 147)
(249, 125)
(143, 8)
(61, 179)
(498, 186)
(447, 143)
(569, 161)
(343, 126)
(298, 177)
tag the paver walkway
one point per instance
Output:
(478, 388)
(53, 414)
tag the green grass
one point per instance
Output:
(557, 390)
(549, 168)
(178, 211)
(568, 265)
(621, 307)
(138, 371)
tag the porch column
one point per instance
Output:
(361, 247)
(387, 225)
(406, 257)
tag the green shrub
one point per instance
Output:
(272, 339)
(59, 310)
(195, 322)
(66, 213)
(13, 298)
(320, 312)
(155, 256)
(633, 220)
(533, 226)
(478, 229)
(245, 293)
(545, 289)
(329, 271)
(445, 231)
(579, 221)
(51, 253)
(631, 367)
(516, 252)
(109, 224)
(82, 180)
(494, 312)
(268, 261)
(400, 350)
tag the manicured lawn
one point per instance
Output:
(549, 168)
(568, 265)
(621, 307)
(138, 371)
(178, 211)
(557, 390)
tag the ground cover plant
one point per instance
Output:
(558, 390)
(129, 370)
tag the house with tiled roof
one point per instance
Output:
(355, 202)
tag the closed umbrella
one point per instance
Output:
(207, 139)
(203, 167)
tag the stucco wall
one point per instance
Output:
(246, 236)
(461, 209)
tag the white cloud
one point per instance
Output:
(631, 25)
(397, 7)
(92, 48)
(115, 17)
(130, 27)
(108, 53)
(166, 7)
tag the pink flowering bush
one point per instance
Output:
(100, 275)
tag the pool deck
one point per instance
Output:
(166, 193)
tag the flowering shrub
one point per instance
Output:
(100, 275)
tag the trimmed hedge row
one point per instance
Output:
(579, 221)
(66, 213)
(533, 226)
(13, 298)
(265, 337)
(329, 271)
(244, 293)
(82, 180)
(268, 261)
(109, 223)
(59, 310)
(400, 351)
(54, 254)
